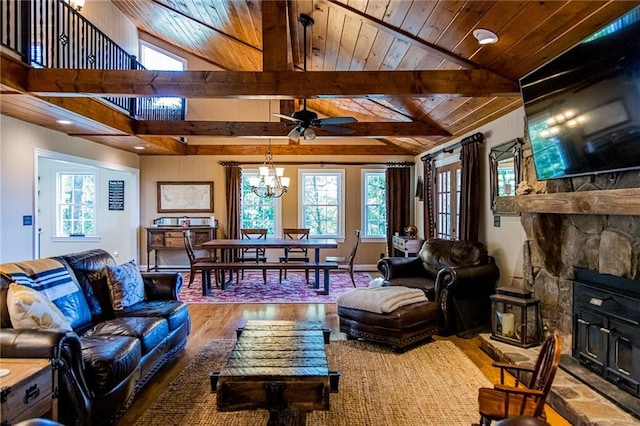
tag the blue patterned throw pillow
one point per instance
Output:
(126, 287)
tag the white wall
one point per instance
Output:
(19, 142)
(116, 230)
(111, 21)
(504, 242)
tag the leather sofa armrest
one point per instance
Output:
(401, 267)
(468, 279)
(61, 346)
(162, 285)
(31, 343)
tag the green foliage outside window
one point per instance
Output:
(256, 212)
(321, 198)
(76, 205)
(375, 204)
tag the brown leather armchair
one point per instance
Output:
(458, 275)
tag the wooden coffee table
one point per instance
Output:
(280, 366)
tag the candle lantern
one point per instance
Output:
(515, 317)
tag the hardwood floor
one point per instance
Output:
(221, 321)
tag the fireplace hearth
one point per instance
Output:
(606, 336)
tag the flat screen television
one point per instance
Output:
(583, 107)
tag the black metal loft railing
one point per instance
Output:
(51, 34)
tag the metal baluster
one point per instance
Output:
(45, 42)
(55, 34)
(4, 39)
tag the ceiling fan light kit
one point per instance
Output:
(294, 134)
(309, 134)
(306, 119)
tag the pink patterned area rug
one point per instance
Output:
(252, 289)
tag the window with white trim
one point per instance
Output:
(322, 208)
(76, 205)
(154, 58)
(374, 203)
(257, 212)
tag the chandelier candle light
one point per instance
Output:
(271, 183)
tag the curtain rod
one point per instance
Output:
(475, 138)
(322, 163)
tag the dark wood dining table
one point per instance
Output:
(230, 246)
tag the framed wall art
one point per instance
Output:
(187, 197)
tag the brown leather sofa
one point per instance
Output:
(109, 355)
(458, 275)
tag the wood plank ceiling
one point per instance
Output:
(359, 42)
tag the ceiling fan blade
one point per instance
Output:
(337, 120)
(337, 129)
(286, 117)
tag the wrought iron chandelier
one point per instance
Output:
(271, 183)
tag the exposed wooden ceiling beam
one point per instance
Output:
(13, 75)
(306, 149)
(276, 84)
(160, 133)
(279, 129)
(274, 36)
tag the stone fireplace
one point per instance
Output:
(560, 243)
(564, 233)
(557, 244)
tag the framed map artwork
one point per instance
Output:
(187, 197)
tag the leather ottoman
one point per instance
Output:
(400, 328)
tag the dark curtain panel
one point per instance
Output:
(469, 191)
(429, 216)
(399, 196)
(233, 174)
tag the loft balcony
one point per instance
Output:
(52, 34)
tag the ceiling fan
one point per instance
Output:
(307, 120)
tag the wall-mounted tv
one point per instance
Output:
(583, 107)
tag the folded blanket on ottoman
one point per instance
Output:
(380, 300)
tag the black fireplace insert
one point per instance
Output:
(606, 327)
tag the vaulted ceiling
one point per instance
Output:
(410, 72)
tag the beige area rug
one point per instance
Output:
(434, 384)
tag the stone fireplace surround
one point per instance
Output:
(558, 242)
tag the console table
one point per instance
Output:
(168, 237)
(406, 245)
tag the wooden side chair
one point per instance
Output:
(203, 264)
(348, 261)
(250, 254)
(295, 254)
(502, 401)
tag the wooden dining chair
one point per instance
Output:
(252, 254)
(204, 264)
(521, 399)
(295, 254)
(348, 261)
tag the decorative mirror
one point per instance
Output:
(504, 162)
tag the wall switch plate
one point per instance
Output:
(496, 221)
(27, 220)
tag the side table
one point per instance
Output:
(29, 390)
(407, 246)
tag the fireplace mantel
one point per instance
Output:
(606, 202)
